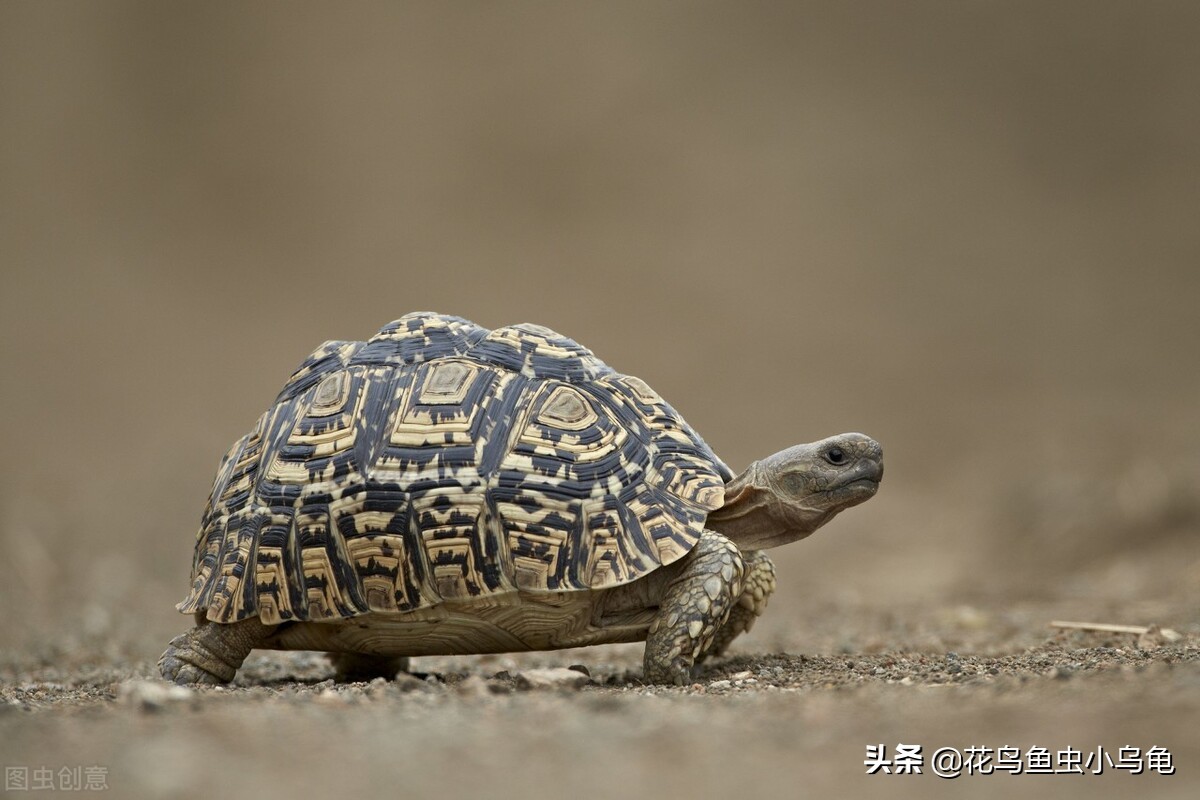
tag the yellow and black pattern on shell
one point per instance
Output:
(440, 460)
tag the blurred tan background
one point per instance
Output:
(968, 229)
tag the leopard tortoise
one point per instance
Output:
(446, 489)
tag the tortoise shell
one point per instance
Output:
(442, 461)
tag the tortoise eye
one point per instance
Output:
(835, 456)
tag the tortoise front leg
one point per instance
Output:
(757, 588)
(695, 605)
(211, 652)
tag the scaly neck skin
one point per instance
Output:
(755, 516)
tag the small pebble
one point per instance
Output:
(552, 678)
(472, 686)
(152, 695)
(409, 683)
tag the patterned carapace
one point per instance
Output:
(439, 460)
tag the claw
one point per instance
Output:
(176, 670)
(675, 673)
(188, 661)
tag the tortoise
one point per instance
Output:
(445, 489)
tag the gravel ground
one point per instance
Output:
(581, 722)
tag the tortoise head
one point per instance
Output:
(787, 496)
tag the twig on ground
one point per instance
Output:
(1108, 627)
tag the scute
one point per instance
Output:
(439, 460)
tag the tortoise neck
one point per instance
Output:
(746, 518)
(756, 515)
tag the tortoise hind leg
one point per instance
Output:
(694, 607)
(211, 652)
(367, 667)
(756, 590)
